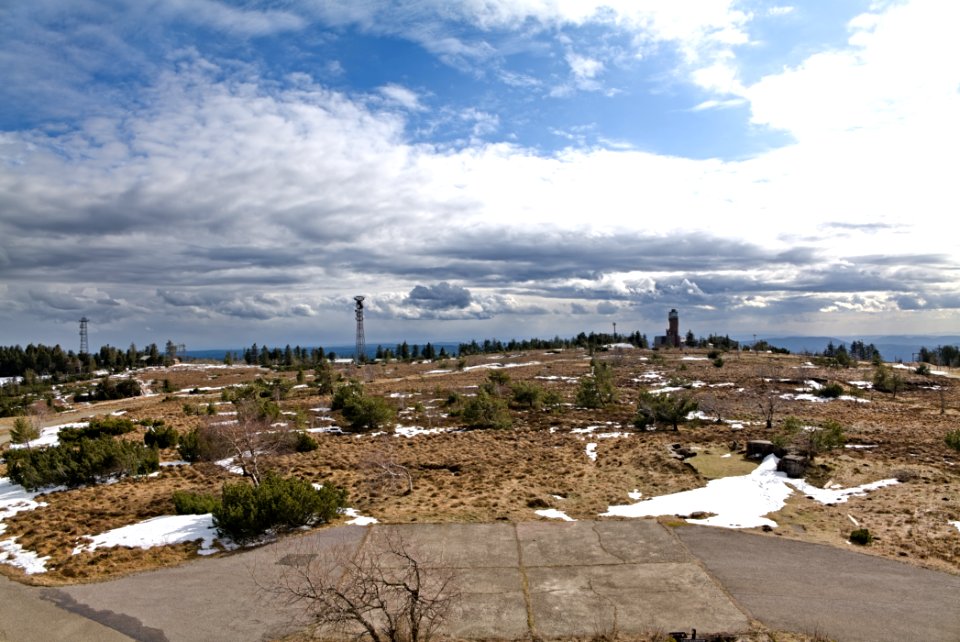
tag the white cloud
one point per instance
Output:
(780, 10)
(400, 95)
(584, 68)
(719, 104)
(898, 68)
(244, 22)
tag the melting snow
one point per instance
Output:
(50, 436)
(358, 519)
(592, 451)
(553, 513)
(635, 494)
(14, 499)
(158, 531)
(413, 431)
(501, 365)
(742, 501)
(957, 524)
(694, 359)
(16, 555)
(660, 391)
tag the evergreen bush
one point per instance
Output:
(305, 442)
(861, 536)
(86, 461)
(23, 431)
(953, 439)
(161, 437)
(246, 512)
(189, 503)
(486, 411)
(99, 427)
(189, 446)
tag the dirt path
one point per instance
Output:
(552, 579)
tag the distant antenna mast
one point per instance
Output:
(84, 342)
(361, 350)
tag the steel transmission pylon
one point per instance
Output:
(84, 339)
(361, 350)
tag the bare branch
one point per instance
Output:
(386, 592)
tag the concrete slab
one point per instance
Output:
(462, 545)
(585, 543)
(492, 605)
(631, 598)
(209, 599)
(841, 594)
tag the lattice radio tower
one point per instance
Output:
(361, 350)
(84, 343)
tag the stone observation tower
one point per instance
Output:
(673, 331)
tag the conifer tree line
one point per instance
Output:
(55, 362)
(948, 356)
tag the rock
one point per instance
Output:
(760, 448)
(793, 465)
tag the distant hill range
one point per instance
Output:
(891, 347)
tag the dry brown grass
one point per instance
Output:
(505, 475)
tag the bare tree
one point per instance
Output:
(250, 439)
(768, 394)
(387, 591)
(768, 407)
(384, 472)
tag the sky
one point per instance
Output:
(219, 173)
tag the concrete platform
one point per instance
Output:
(515, 580)
(519, 580)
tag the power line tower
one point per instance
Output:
(84, 342)
(361, 350)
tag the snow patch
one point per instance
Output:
(158, 531)
(553, 513)
(592, 451)
(495, 366)
(358, 519)
(15, 499)
(957, 524)
(50, 436)
(16, 555)
(742, 501)
(635, 494)
(413, 431)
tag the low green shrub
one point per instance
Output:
(86, 461)
(99, 427)
(368, 413)
(189, 503)
(23, 430)
(247, 512)
(527, 395)
(831, 391)
(861, 536)
(161, 437)
(953, 439)
(486, 411)
(305, 442)
(189, 446)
